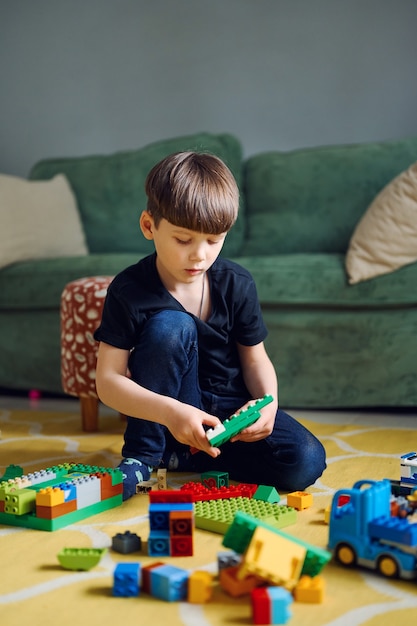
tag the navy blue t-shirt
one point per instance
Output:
(137, 293)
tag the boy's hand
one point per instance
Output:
(262, 427)
(188, 428)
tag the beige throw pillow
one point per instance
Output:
(385, 239)
(38, 220)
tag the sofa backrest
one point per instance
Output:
(310, 200)
(110, 189)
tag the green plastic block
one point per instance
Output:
(80, 558)
(19, 501)
(237, 422)
(19, 504)
(217, 515)
(268, 494)
(215, 479)
(12, 471)
(31, 521)
(239, 535)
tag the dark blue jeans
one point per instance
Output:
(166, 361)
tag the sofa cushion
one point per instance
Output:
(319, 280)
(310, 200)
(288, 280)
(39, 219)
(385, 238)
(110, 189)
(37, 285)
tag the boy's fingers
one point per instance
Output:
(211, 420)
(214, 452)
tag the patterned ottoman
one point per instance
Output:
(81, 307)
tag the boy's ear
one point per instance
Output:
(147, 225)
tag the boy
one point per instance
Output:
(181, 342)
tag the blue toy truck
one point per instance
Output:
(363, 532)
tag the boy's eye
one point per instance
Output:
(182, 241)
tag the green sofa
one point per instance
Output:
(334, 345)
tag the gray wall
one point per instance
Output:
(96, 76)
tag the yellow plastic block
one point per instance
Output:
(200, 587)
(276, 559)
(309, 589)
(327, 513)
(230, 583)
(299, 500)
(50, 496)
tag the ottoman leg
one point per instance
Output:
(89, 414)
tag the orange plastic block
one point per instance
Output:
(309, 589)
(181, 522)
(50, 496)
(200, 587)
(299, 500)
(51, 512)
(273, 558)
(237, 587)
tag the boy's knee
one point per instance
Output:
(171, 327)
(311, 464)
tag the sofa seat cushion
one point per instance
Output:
(303, 280)
(297, 280)
(36, 285)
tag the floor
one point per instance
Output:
(382, 417)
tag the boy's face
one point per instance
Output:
(182, 255)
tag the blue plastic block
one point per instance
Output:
(70, 491)
(169, 583)
(394, 529)
(281, 600)
(159, 513)
(159, 543)
(126, 580)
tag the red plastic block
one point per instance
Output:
(201, 492)
(146, 575)
(181, 545)
(261, 606)
(170, 495)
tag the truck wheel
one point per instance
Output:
(345, 554)
(388, 567)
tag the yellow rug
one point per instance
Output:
(35, 589)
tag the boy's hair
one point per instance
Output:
(193, 190)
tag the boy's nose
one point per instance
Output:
(197, 254)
